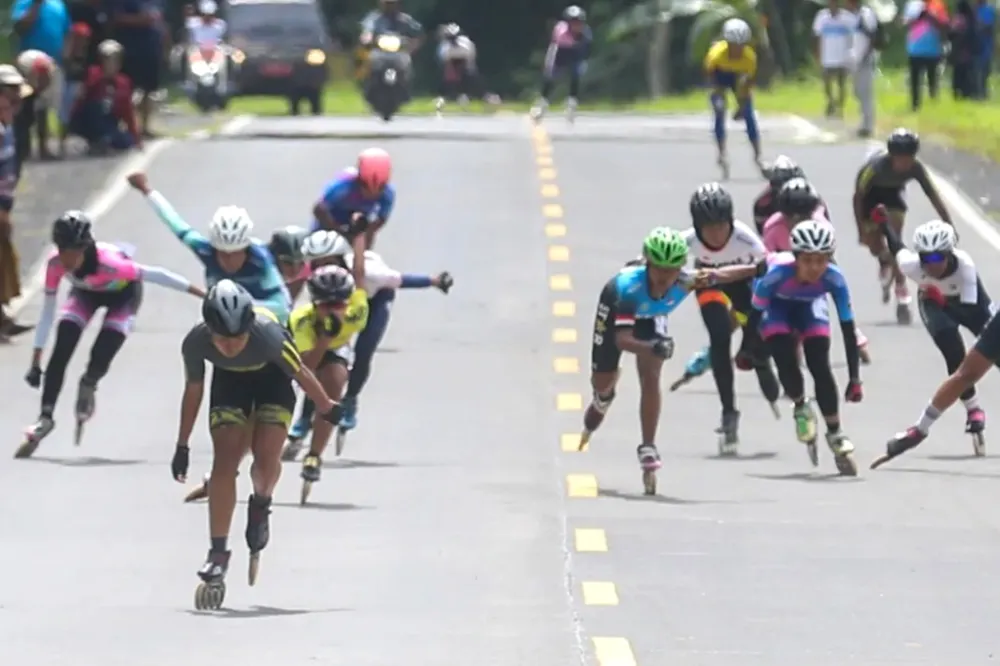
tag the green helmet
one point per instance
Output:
(665, 248)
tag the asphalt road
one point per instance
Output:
(457, 530)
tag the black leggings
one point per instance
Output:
(817, 352)
(920, 67)
(718, 321)
(68, 333)
(953, 349)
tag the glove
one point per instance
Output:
(334, 415)
(664, 348)
(853, 392)
(179, 465)
(359, 223)
(34, 377)
(744, 360)
(879, 214)
(445, 282)
(933, 294)
(330, 327)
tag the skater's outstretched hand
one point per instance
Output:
(179, 465)
(34, 376)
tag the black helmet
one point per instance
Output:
(228, 309)
(783, 170)
(903, 142)
(797, 197)
(286, 244)
(711, 204)
(331, 284)
(574, 13)
(71, 231)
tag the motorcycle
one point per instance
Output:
(207, 80)
(387, 87)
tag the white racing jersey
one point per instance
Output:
(463, 49)
(744, 248)
(205, 33)
(963, 284)
(378, 275)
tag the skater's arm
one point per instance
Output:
(190, 406)
(177, 224)
(312, 388)
(842, 300)
(194, 380)
(169, 279)
(43, 327)
(924, 179)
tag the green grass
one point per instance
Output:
(972, 126)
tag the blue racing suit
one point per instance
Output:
(343, 198)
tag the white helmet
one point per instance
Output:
(325, 244)
(230, 229)
(813, 236)
(736, 31)
(935, 236)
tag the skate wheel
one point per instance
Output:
(26, 449)
(776, 410)
(978, 444)
(649, 481)
(253, 569)
(197, 493)
(846, 465)
(341, 441)
(813, 453)
(903, 316)
(209, 596)
(306, 490)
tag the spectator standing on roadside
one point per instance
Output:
(834, 30)
(964, 37)
(986, 16)
(12, 89)
(864, 57)
(46, 79)
(103, 114)
(925, 29)
(76, 61)
(94, 15)
(139, 28)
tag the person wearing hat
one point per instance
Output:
(12, 88)
(45, 77)
(104, 105)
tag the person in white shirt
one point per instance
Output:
(834, 30)
(206, 29)
(41, 72)
(864, 56)
(460, 76)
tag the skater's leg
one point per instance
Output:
(715, 314)
(784, 351)
(118, 323)
(379, 312)
(817, 352)
(650, 399)
(332, 375)
(230, 406)
(68, 334)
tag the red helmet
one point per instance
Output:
(374, 169)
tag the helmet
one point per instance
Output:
(813, 236)
(934, 236)
(711, 204)
(208, 7)
(230, 229)
(736, 31)
(72, 231)
(665, 248)
(286, 244)
(783, 170)
(109, 48)
(331, 284)
(374, 168)
(797, 197)
(451, 31)
(574, 13)
(324, 244)
(903, 142)
(228, 309)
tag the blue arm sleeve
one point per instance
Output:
(19, 9)
(177, 224)
(840, 293)
(278, 299)
(386, 203)
(763, 291)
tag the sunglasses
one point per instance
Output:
(932, 257)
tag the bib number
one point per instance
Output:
(660, 326)
(821, 309)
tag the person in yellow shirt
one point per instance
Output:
(324, 331)
(731, 64)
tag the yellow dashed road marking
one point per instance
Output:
(550, 191)
(581, 485)
(555, 230)
(566, 365)
(564, 309)
(564, 335)
(613, 651)
(569, 402)
(547, 173)
(552, 211)
(599, 593)
(570, 442)
(589, 540)
(560, 283)
(558, 253)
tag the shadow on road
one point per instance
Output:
(343, 463)
(811, 477)
(955, 457)
(943, 472)
(323, 506)
(261, 611)
(88, 461)
(759, 455)
(654, 499)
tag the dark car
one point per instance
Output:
(281, 49)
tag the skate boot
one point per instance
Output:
(728, 432)
(312, 470)
(594, 417)
(86, 403)
(696, 366)
(975, 425)
(885, 280)
(571, 106)
(349, 419)
(805, 429)
(843, 453)
(199, 492)
(539, 109)
(899, 445)
(34, 435)
(863, 352)
(211, 591)
(649, 461)
(258, 532)
(296, 435)
(903, 316)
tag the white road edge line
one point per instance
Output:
(104, 200)
(960, 203)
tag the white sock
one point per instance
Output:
(928, 418)
(971, 403)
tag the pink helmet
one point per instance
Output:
(374, 169)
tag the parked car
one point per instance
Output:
(281, 47)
